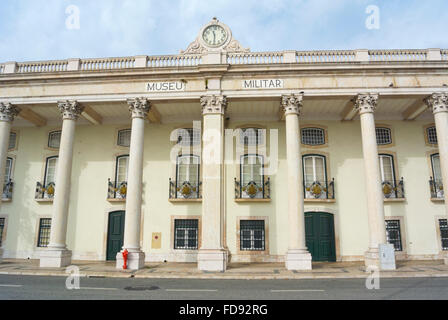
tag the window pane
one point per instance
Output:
(383, 136)
(8, 168)
(387, 168)
(320, 169)
(435, 159)
(54, 139)
(50, 175)
(443, 224)
(188, 137)
(251, 136)
(122, 169)
(124, 138)
(12, 140)
(314, 169)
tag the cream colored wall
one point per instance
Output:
(94, 163)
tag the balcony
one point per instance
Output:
(393, 190)
(45, 192)
(253, 191)
(436, 188)
(185, 191)
(319, 191)
(116, 191)
(7, 191)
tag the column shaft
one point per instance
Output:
(441, 120)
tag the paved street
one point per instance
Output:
(38, 287)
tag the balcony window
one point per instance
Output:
(252, 235)
(313, 136)
(46, 189)
(393, 234)
(252, 184)
(54, 139)
(187, 184)
(124, 138)
(44, 232)
(436, 185)
(315, 181)
(390, 186)
(383, 136)
(118, 189)
(7, 183)
(186, 234)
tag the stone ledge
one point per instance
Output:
(320, 200)
(185, 200)
(253, 200)
(44, 200)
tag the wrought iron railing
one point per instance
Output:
(393, 189)
(252, 190)
(116, 190)
(45, 191)
(7, 190)
(319, 189)
(436, 188)
(185, 190)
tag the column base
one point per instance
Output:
(55, 258)
(136, 260)
(298, 260)
(212, 260)
(380, 259)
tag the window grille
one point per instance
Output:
(188, 137)
(124, 138)
(393, 234)
(443, 225)
(383, 136)
(432, 135)
(44, 232)
(252, 235)
(12, 140)
(2, 227)
(186, 234)
(313, 136)
(251, 136)
(54, 139)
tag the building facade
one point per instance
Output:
(219, 154)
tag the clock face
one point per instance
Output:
(214, 35)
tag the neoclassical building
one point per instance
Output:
(219, 154)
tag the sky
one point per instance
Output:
(33, 30)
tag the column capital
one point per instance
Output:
(70, 110)
(139, 107)
(292, 104)
(8, 112)
(437, 102)
(213, 104)
(365, 102)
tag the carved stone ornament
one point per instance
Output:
(437, 102)
(292, 104)
(364, 103)
(213, 104)
(139, 107)
(200, 46)
(70, 110)
(8, 112)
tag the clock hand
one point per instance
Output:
(214, 37)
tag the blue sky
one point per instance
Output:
(36, 29)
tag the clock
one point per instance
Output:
(214, 35)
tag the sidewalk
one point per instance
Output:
(255, 271)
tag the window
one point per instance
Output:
(313, 136)
(436, 171)
(315, 177)
(50, 170)
(124, 138)
(252, 235)
(8, 171)
(393, 234)
(2, 227)
(431, 134)
(12, 140)
(188, 137)
(121, 171)
(383, 136)
(443, 225)
(54, 139)
(187, 175)
(251, 136)
(252, 176)
(186, 234)
(44, 232)
(387, 168)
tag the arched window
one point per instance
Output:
(252, 176)
(313, 136)
(187, 176)
(124, 138)
(315, 176)
(383, 135)
(54, 139)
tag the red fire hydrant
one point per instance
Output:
(125, 259)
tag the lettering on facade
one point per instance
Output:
(166, 86)
(263, 84)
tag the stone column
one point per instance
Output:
(7, 115)
(366, 104)
(438, 104)
(297, 257)
(57, 255)
(212, 256)
(139, 109)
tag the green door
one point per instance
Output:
(115, 234)
(319, 230)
